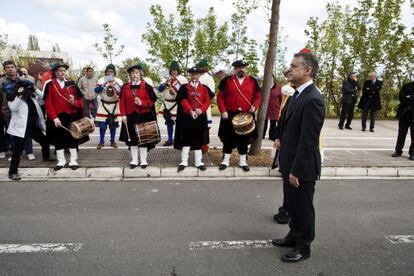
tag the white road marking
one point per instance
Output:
(40, 248)
(357, 138)
(400, 238)
(201, 245)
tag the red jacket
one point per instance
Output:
(57, 100)
(229, 99)
(189, 103)
(275, 99)
(127, 99)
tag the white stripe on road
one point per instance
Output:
(400, 238)
(40, 248)
(200, 245)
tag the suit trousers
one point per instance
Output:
(406, 121)
(347, 112)
(302, 212)
(368, 109)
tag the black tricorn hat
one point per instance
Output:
(240, 63)
(57, 65)
(137, 66)
(194, 69)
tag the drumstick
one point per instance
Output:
(66, 129)
(127, 130)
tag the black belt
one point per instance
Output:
(170, 101)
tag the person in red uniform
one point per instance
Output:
(237, 93)
(191, 132)
(273, 110)
(63, 104)
(136, 104)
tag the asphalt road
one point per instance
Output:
(147, 227)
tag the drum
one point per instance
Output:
(243, 123)
(81, 128)
(148, 133)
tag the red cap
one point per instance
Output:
(305, 50)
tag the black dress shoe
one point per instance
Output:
(132, 166)
(363, 129)
(285, 242)
(15, 177)
(348, 127)
(222, 167)
(144, 166)
(201, 168)
(295, 256)
(181, 168)
(282, 217)
(371, 130)
(74, 167)
(245, 168)
(411, 158)
(56, 168)
(341, 128)
(396, 154)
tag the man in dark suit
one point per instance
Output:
(299, 156)
(405, 115)
(349, 89)
(370, 100)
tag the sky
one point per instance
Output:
(76, 25)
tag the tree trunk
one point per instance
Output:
(267, 80)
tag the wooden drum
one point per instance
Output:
(81, 128)
(243, 123)
(148, 133)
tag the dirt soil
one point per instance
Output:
(261, 160)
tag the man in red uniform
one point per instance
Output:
(237, 93)
(63, 104)
(191, 132)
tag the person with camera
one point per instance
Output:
(170, 89)
(8, 85)
(26, 123)
(64, 105)
(192, 128)
(350, 88)
(108, 115)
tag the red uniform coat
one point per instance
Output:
(275, 99)
(229, 99)
(127, 100)
(202, 102)
(57, 100)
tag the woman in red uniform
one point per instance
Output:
(192, 130)
(63, 104)
(136, 105)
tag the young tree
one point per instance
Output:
(33, 43)
(107, 48)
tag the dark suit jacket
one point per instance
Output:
(349, 90)
(406, 98)
(371, 91)
(299, 131)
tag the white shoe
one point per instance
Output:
(2, 155)
(9, 159)
(31, 156)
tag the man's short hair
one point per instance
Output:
(309, 60)
(88, 68)
(8, 62)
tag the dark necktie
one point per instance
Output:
(295, 95)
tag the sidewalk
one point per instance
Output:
(347, 154)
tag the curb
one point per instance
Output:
(125, 173)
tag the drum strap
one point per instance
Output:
(109, 112)
(244, 97)
(61, 94)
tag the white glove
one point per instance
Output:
(57, 122)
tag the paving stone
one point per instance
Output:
(111, 172)
(351, 172)
(382, 171)
(172, 172)
(141, 173)
(254, 171)
(215, 172)
(68, 173)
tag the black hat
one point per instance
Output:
(194, 69)
(239, 63)
(110, 66)
(57, 65)
(137, 66)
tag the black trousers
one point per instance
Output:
(368, 109)
(33, 132)
(272, 129)
(3, 144)
(241, 148)
(347, 112)
(404, 123)
(301, 211)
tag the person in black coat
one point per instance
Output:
(350, 88)
(405, 115)
(370, 101)
(297, 138)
